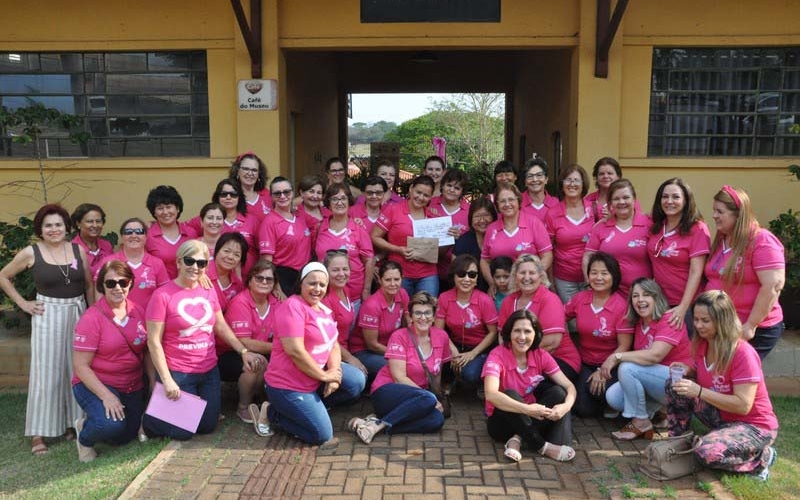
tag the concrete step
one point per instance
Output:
(784, 360)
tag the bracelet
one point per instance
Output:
(699, 393)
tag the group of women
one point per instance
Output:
(196, 303)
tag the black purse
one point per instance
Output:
(433, 384)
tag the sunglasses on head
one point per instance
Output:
(190, 261)
(111, 284)
(128, 232)
(472, 274)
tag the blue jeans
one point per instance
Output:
(372, 361)
(428, 284)
(640, 390)
(471, 372)
(766, 338)
(98, 428)
(207, 386)
(406, 409)
(305, 414)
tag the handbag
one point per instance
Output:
(670, 458)
(433, 384)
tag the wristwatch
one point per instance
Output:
(243, 351)
(618, 357)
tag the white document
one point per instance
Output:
(435, 227)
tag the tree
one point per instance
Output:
(364, 133)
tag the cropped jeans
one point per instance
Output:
(639, 393)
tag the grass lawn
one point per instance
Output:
(58, 474)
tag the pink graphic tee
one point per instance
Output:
(467, 322)
(96, 257)
(628, 246)
(662, 331)
(530, 236)
(148, 275)
(378, 314)
(287, 241)
(539, 211)
(401, 347)
(670, 255)
(569, 238)
(224, 293)
(502, 364)
(397, 222)
(358, 244)
(246, 322)
(343, 314)
(360, 216)
(598, 330)
(161, 247)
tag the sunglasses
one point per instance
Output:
(228, 194)
(279, 194)
(337, 251)
(472, 274)
(128, 232)
(111, 284)
(190, 261)
(264, 279)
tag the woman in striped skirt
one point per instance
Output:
(64, 286)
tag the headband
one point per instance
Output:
(311, 267)
(246, 153)
(733, 194)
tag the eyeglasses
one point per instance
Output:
(536, 175)
(281, 194)
(482, 217)
(128, 232)
(373, 194)
(336, 170)
(422, 314)
(336, 251)
(471, 274)
(111, 284)
(264, 279)
(228, 194)
(573, 182)
(248, 170)
(190, 261)
(338, 199)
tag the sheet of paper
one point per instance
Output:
(435, 227)
(185, 413)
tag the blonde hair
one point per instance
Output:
(743, 232)
(191, 247)
(524, 259)
(727, 325)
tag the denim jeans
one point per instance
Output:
(207, 386)
(305, 414)
(429, 284)
(406, 409)
(470, 373)
(587, 405)
(100, 429)
(639, 393)
(766, 338)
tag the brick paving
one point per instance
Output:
(459, 463)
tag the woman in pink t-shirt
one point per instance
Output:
(108, 359)
(166, 233)
(251, 172)
(606, 170)
(224, 270)
(678, 247)
(451, 204)
(401, 393)
(367, 212)
(89, 220)
(724, 387)
(210, 225)
(643, 371)
(747, 262)
(536, 201)
(523, 406)
(309, 200)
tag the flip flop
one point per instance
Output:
(513, 453)
(38, 447)
(565, 453)
(244, 415)
(262, 429)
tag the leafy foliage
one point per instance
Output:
(364, 133)
(15, 237)
(786, 227)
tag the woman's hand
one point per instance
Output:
(748, 331)
(556, 413)
(536, 411)
(33, 307)
(687, 388)
(205, 282)
(332, 376)
(678, 314)
(461, 360)
(439, 406)
(172, 390)
(115, 410)
(330, 388)
(597, 383)
(454, 231)
(607, 366)
(408, 253)
(254, 362)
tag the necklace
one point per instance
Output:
(64, 273)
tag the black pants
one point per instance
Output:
(587, 405)
(504, 424)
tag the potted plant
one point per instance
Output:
(786, 227)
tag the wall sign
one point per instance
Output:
(258, 95)
(430, 11)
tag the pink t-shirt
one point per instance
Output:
(538, 211)
(396, 220)
(744, 368)
(597, 208)
(671, 254)
(376, 314)
(224, 294)
(245, 321)
(569, 238)
(160, 247)
(502, 364)
(530, 236)
(360, 216)
(311, 220)
(148, 275)
(549, 310)
(189, 316)
(764, 253)
(598, 330)
(343, 314)
(261, 206)
(628, 247)
(97, 257)
(662, 331)
(114, 363)
(460, 215)
(358, 244)
(318, 331)
(246, 225)
(467, 322)
(287, 241)
(401, 347)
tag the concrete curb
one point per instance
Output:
(161, 459)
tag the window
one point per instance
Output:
(132, 103)
(725, 102)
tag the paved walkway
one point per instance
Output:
(460, 462)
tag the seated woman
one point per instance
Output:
(108, 359)
(522, 406)
(305, 375)
(639, 393)
(223, 272)
(400, 394)
(729, 395)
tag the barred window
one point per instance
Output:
(725, 102)
(132, 103)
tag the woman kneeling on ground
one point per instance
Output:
(522, 406)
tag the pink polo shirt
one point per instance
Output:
(97, 257)
(287, 241)
(358, 244)
(598, 330)
(245, 321)
(569, 238)
(530, 236)
(460, 215)
(400, 346)
(377, 314)
(397, 222)
(765, 252)
(596, 209)
(318, 331)
(539, 211)
(189, 316)
(360, 216)
(160, 247)
(466, 322)
(661, 330)
(744, 368)
(311, 221)
(148, 275)
(502, 364)
(116, 360)
(224, 295)
(246, 225)
(343, 314)
(629, 247)
(671, 254)
(261, 206)
(549, 310)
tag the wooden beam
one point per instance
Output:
(251, 32)
(606, 31)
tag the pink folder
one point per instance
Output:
(185, 413)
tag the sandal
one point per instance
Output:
(259, 419)
(244, 415)
(631, 432)
(512, 452)
(565, 453)
(38, 447)
(660, 421)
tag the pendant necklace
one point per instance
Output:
(64, 273)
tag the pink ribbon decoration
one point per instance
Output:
(440, 145)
